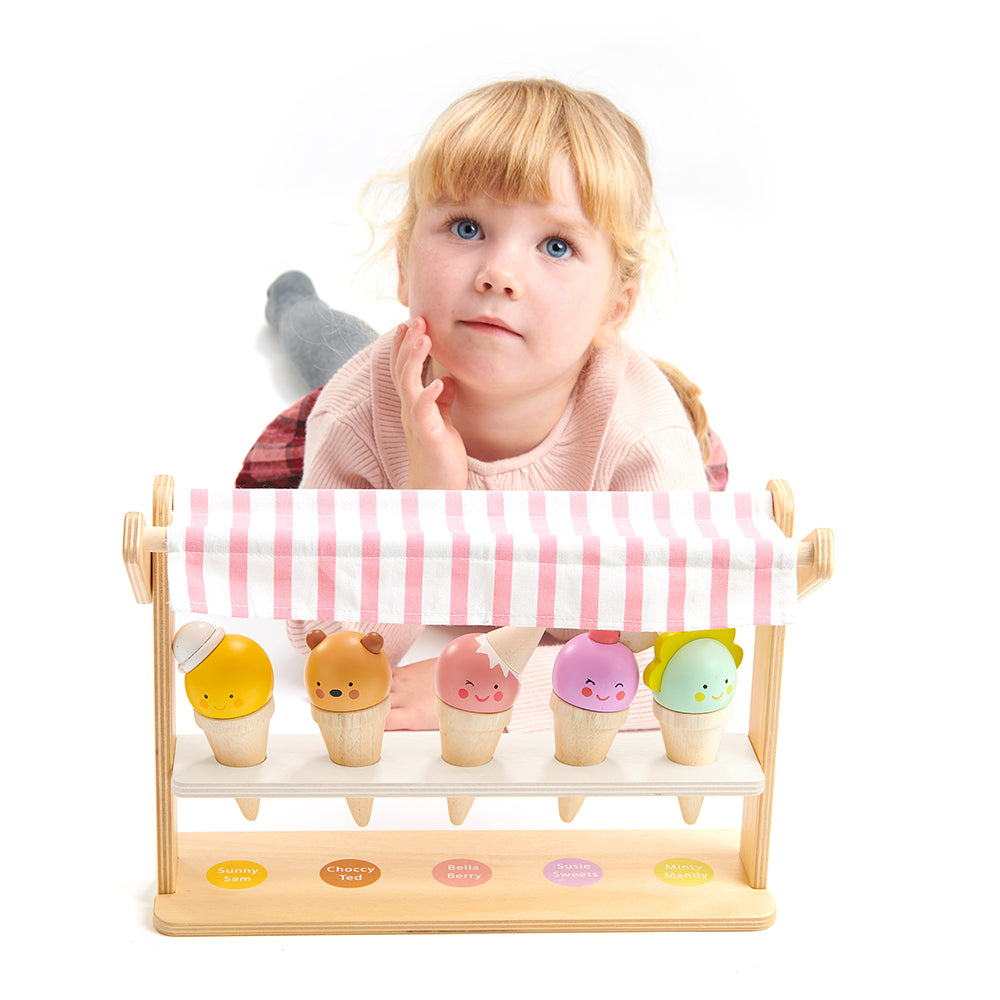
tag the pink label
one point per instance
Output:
(462, 872)
(573, 872)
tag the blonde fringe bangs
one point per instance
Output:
(501, 140)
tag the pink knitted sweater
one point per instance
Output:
(624, 429)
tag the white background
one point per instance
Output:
(828, 178)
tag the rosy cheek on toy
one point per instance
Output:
(587, 691)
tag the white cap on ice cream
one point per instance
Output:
(193, 642)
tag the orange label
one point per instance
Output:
(350, 873)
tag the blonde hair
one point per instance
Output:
(501, 139)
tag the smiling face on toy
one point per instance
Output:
(464, 678)
(346, 671)
(234, 680)
(699, 678)
(595, 671)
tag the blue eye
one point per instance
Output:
(465, 229)
(558, 248)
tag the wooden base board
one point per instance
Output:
(461, 881)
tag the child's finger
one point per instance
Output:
(410, 354)
(400, 350)
(425, 409)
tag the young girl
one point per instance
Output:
(521, 252)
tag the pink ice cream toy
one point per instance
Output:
(466, 679)
(476, 682)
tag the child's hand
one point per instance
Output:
(438, 460)
(411, 704)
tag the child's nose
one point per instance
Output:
(499, 275)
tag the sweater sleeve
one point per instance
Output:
(338, 457)
(667, 460)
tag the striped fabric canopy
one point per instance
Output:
(631, 561)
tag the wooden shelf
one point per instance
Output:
(411, 767)
(625, 893)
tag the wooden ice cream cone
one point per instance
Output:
(691, 738)
(569, 806)
(239, 742)
(690, 807)
(249, 807)
(468, 739)
(458, 808)
(583, 737)
(361, 809)
(354, 739)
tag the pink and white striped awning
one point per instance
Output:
(632, 561)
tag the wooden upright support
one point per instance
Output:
(765, 695)
(163, 683)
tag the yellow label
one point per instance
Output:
(683, 871)
(236, 874)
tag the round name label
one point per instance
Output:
(236, 874)
(462, 872)
(350, 873)
(683, 871)
(573, 872)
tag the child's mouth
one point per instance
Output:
(490, 326)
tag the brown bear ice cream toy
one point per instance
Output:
(347, 679)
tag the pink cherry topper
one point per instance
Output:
(596, 672)
(465, 677)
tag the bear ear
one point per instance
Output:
(373, 642)
(315, 637)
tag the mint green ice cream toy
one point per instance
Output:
(693, 679)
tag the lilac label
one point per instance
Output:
(573, 872)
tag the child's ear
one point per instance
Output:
(619, 310)
(402, 285)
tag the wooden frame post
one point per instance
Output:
(163, 693)
(765, 695)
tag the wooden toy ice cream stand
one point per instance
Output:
(637, 563)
